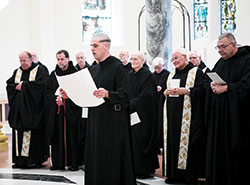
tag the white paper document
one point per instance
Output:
(216, 78)
(174, 83)
(85, 112)
(79, 87)
(134, 119)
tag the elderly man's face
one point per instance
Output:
(80, 59)
(123, 56)
(136, 62)
(179, 60)
(194, 59)
(62, 61)
(25, 61)
(225, 48)
(158, 68)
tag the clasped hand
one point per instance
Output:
(101, 93)
(218, 88)
(175, 91)
(19, 86)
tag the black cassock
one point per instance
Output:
(161, 79)
(144, 101)
(228, 122)
(27, 113)
(61, 121)
(108, 157)
(128, 67)
(196, 149)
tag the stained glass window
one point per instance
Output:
(200, 19)
(228, 20)
(96, 18)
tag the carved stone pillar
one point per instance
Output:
(159, 29)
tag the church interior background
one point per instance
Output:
(45, 26)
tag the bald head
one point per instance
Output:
(137, 60)
(80, 59)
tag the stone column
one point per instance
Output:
(159, 30)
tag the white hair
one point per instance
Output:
(182, 51)
(157, 61)
(140, 55)
(195, 52)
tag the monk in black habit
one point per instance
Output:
(195, 59)
(81, 61)
(184, 125)
(124, 57)
(228, 118)
(144, 102)
(81, 64)
(108, 157)
(160, 76)
(63, 116)
(26, 96)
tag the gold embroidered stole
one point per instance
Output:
(26, 134)
(185, 126)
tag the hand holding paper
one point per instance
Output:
(216, 78)
(174, 83)
(80, 87)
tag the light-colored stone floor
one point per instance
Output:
(7, 173)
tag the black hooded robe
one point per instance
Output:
(108, 157)
(144, 101)
(160, 79)
(61, 121)
(228, 122)
(27, 113)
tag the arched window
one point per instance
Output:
(228, 20)
(96, 18)
(200, 19)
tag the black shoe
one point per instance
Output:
(15, 166)
(56, 168)
(174, 181)
(19, 166)
(170, 181)
(38, 165)
(73, 168)
(191, 181)
(144, 176)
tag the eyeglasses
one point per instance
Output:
(192, 58)
(175, 58)
(134, 59)
(222, 46)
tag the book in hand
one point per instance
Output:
(216, 78)
(174, 83)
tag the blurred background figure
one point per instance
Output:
(81, 61)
